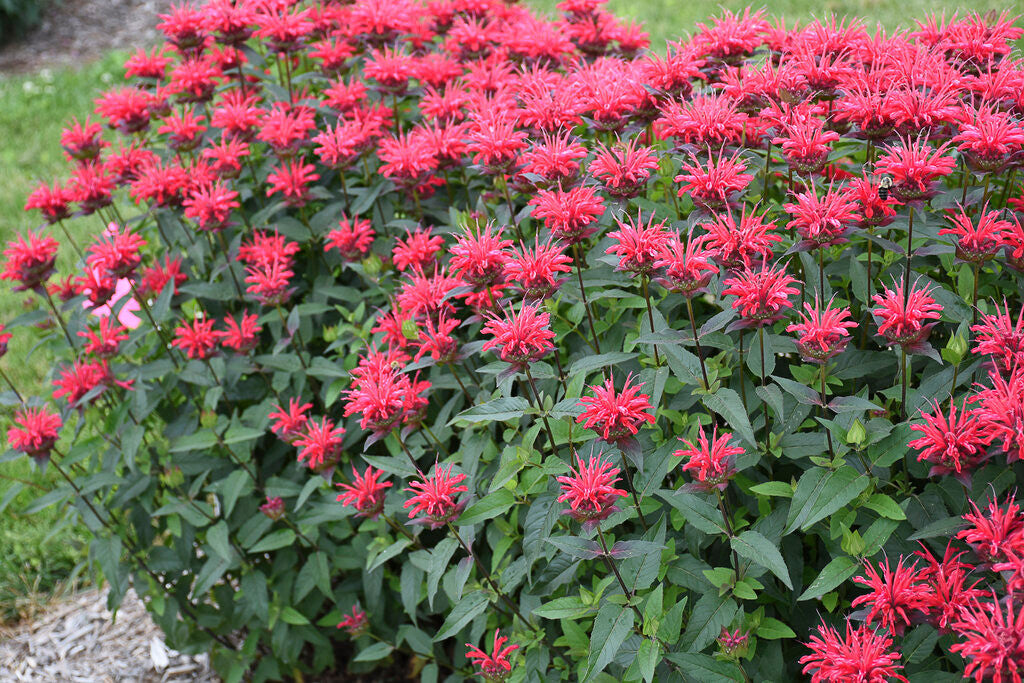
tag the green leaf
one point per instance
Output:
(210, 574)
(942, 527)
(274, 541)
(239, 434)
(727, 403)
(885, 506)
(672, 624)
(835, 572)
(603, 360)
(699, 513)
(648, 657)
(375, 652)
(704, 668)
(919, 643)
(711, 613)
(570, 607)
(753, 546)
(217, 537)
(290, 615)
(465, 611)
(203, 440)
(498, 410)
(821, 492)
(773, 488)
(612, 625)
(389, 552)
(236, 483)
(488, 507)
(576, 546)
(773, 629)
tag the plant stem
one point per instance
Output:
(824, 402)
(974, 298)
(906, 267)
(583, 294)
(767, 164)
(56, 314)
(650, 313)
(610, 561)
(723, 508)
(743, 383)
(487, 576)
(696, 342)
(903, 373)
(543, 413)
(462, 386)
(760, 339)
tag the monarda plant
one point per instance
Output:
(438, 339)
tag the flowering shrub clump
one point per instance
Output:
(442, 337)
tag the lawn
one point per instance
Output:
(37, 550)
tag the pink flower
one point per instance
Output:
(863, 656)
(365, 493)
(435, 497)
(903, 322)
(320, 444)
(761, 295)
(524, 336)
(290, 422)
(273, 508)
(355, 623)
(823, 333)
(495, 666)
(895, 595)
(590, 489)
(34, 432)
(954, 444)
(713, 462)
(616, 416)
(639, 245)
(994, 640)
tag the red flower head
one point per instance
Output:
(241, 336)
(355, 623)
(408, 159)
(524, 336)
(739, 245)
(5, 338)
(535, 271)
(105, 340)
(162, 184)
(688, 267)
(126, 109)
(30, 260)
(990, 139)
(732, 643)
(895, 595)
(428, 295)
(708, 122)
(340, 145)
(1002, 409)
(198, 338)
(184, 26)
(712, 186)
(862, 656)
(977, 243)
(437, 339)
(435, 497)
(116, 253)
(352, 238)
(995, 533)
(365, 493)
(391, 69)
(569, 213)
(34, 432)
(590, 489)
(616, 416)
(872, 210)
(417, 250)
(1001, 338)
(950, 594)
(805, 143)
(639, 245)
(273, 508)
(761, 295)
(993, 640)
(97, 285)
(380, 395)
(914, 167)
(954, 445)
(494, 667)
(713, 462)
(210, 205)
(268, 260)
(226, 157)
(156, 277)
(82, 142)
(556, 159)
(902, 321)
(285, 128)
(822, 221)
(494, 140)
(292, 179)
(149, 65)
(623, 169)
(51, 200)
(823, 333)
(478, 257)
(320, 445)
(290, 424)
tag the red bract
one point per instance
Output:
(915, 166)
(637, 244)
(290, 422)
(274, 508)
(713, 462)
(863, 655)
(569, 213)
(535, 271)
(616, 415)
(478, 257)
(352, 238)
(954, 444)
(590, 489)
(623, 169)
(365, 493)
(979, 239)
(902, 319)
(34, 432)
(30, 260)
(994, 645)
(320, 444)
(241, 335)
(495, 666)
(524, 336)
(711, 186)
(761, 295)
(434, 497)
(823, 333)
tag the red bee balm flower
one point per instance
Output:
(535, 271)
(995, 533)
(902, 321)
(569, 213)
(365, 493)
(955, 445)
(994, 640)
(524, 337)
(823, 333)
(638, 245)
(241, 336)
(895, 595)
(979, 242)
(624, 168)
(320, 444)
(273, 508)
(761, 296)
(478, 256)
(105, 340)
(590, 489)
(862, 656)
(356, 623)
(616, 416)
(417, 250)
(714, 461)
(1001, 338)
(352, 238)
(30, 260)
(914, 167)
(493, 667)
(290, 423)
(435, 497)
(198, 338)
(34, 432)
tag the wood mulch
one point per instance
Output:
(81, 641)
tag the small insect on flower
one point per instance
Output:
(884, 187)
(493, 667)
